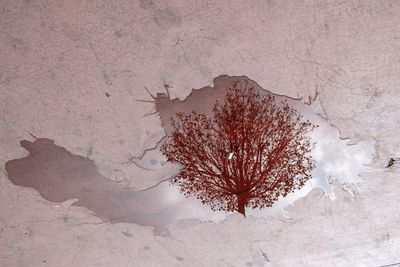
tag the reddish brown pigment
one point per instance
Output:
(252, 150)
(59, 175)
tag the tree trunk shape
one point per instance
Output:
(242, 198)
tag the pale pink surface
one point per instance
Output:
(59, 59)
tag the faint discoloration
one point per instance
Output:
(89, 152)
(146, 4)
(19, 46)
(180, 258)
(107, 78)
(167, 17)
(118, 34)
(126, 233)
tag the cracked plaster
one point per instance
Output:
(60, 59)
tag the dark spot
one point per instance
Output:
(167, 86)
(107, 95)
(126, 233)
(146, 4)
(15, 43)
(52, 75)
(89, 152)
(249, 263)
(118, 34)
(87, 190)
(107, 78)
(146, 248)
(167, 17)
(18, 45)
(390, 163)
(179, 258)
(28, 233)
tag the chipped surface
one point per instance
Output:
(60, 59)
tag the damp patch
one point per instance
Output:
(336, 158)
(58, 175)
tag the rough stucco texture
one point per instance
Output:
(72, 71)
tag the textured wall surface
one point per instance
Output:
(72, 71)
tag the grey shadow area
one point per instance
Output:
(58, 176)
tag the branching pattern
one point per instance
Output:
(249, 153)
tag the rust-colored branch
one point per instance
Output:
(251, 151)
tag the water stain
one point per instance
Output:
(19, 46)
(107, 79)
(342, 159)
(118, 34)
(146, 4)
(167, 17)
(179, 258)
(58, 175)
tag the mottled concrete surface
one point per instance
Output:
(72, 71)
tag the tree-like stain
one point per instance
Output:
(252, 150)
(58, 175)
